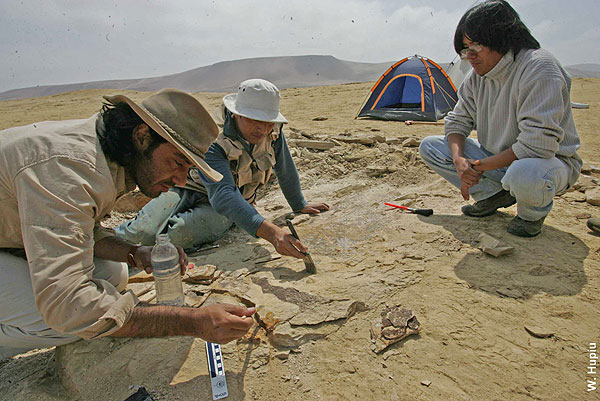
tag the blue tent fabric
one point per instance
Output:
(414, 88)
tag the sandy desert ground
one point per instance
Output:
(314, 341)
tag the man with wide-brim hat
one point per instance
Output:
(250, 147)
(62, 275)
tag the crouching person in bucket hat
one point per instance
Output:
(62, 275)
(249, 148)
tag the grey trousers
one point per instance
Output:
(532, 181)
(22, 328)
(184, 214)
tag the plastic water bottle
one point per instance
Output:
(166, 272)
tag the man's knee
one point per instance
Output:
(151, 220)
(180, 233)
(430, 146)
(528, 183)
(141, 230)
(199, 226)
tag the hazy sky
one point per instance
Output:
(67, 41)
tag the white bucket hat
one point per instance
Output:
(256, 99)
(180, 119)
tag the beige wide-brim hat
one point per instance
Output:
(180, 119)
(256, 99)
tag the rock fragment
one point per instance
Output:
(538, 332)
(585, 182)
(586, 169)
(378, 171)
(141, 277)
(493, 246)
(592, 196)
(311, 144)
(361, 138)
(411, 143)
(283, 355)
(204, 274)
(396, 141)
(574, 196)
(583, 216)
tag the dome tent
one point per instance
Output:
(414, 88)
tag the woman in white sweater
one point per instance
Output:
(517, 99)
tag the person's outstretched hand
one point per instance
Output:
(315, 208)
(283, 242)
(222, 323)
(286, 244)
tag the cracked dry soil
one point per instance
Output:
(312, 338)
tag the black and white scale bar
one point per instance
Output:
(216, 370)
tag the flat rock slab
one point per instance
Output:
(204, 274)
(396, 141)
(318, 145)
(411, 143)
(141, 277)
(592, 196)
(493, 246)
(361, 138)
(287, 318)
(172, 368)
(377, 171)
(585, 182)
(176, 365)
(574, 196)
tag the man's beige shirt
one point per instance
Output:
(55, 187)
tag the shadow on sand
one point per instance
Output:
(550, 263)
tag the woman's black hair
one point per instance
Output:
(120, 121)
(494, 24)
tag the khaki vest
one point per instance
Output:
(250, 173)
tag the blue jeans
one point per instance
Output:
(22, 327)
(185, 215)
(532, 181)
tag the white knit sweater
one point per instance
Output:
(523, 102)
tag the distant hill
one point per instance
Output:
(584, 70)
(285, 72)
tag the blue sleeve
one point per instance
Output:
(225, 197)
(287, 175)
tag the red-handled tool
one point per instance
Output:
(422, 212)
